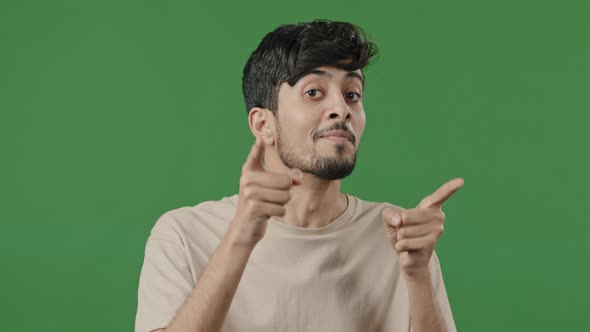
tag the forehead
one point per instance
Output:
(333, 73)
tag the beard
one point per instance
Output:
(327, 168)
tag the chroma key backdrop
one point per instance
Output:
(114, 112)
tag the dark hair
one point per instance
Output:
(292, 51)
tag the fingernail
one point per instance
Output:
(395, 220)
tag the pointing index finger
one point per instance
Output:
(437, 198)
(254, 160)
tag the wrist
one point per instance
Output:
(240, 238)
(418, 278)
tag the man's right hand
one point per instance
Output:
(262, 195)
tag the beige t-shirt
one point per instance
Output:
(342, 277)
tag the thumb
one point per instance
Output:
(297, 175)
(391, 217)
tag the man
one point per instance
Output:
(290, 252)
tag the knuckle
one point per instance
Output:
(254, 206)
(401, 234)
(245, 167)
(248, 192)
(244, 180)
(285, 181)
(400, 245)
(393, 238)
(424, 202)
(404, 215)
(431, 241)
(287, 197)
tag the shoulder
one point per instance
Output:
(178, 223)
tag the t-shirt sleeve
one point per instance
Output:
(440, 293)
(165, 281)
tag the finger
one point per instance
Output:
(417, 243)
(419, 216)
(442, 194)
(391, 217)
(256, 156)
(268, 209)
(267, 195)
(413, 231)
(391, 231)
(266, 180)
(408, 232)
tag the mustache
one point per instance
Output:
(337, 126)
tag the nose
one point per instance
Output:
(339, 108)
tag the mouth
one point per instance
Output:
(338, 139)
(338, 136)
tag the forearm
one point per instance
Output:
(425, 312)
(206, 307)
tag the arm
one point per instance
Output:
(206, 307)
(424, 309)
(413, 234)
(262, 195)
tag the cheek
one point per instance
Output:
(359, 125)
(304, 130)
(297, 137)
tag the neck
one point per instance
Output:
(315, 203)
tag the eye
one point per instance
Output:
(313, 93)
(353, 96)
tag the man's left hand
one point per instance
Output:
(414, 233)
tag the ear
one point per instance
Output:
(262, 124)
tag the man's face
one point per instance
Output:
(313, 116)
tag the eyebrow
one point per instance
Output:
(350, 74)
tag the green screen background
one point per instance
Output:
(114, 112)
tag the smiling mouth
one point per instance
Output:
(337, 138)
